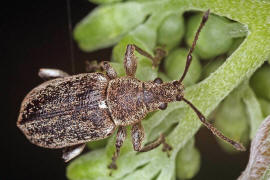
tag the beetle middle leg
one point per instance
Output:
(138, 136)
(120, 137)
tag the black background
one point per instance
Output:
(34, 34)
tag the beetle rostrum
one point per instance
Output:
(69, 111)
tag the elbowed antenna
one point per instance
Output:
(214, 130)
(189, 56)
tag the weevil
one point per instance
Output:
(69, 111)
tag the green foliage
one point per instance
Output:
(171, 31)
(231, 118)
(212, 66)
(124, 23)
(260, 82)
(265, 105)
(175, 64)
(97, 144)
(235, 45)
(213, 38)
(187, 161)
(105, 25)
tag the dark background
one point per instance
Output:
(34, 35)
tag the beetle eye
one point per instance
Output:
(176, 83)
(179, 97)
(158, 81)
(163, 106)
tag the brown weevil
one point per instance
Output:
(69, 111)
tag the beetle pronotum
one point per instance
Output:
(69, 111)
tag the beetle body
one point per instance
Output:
(69, 111)
(72, 110)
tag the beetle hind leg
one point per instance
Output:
(93, 66)
(47, 73)
(72, 151)
(120, 137)
(138, 136)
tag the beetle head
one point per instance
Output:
(157, 94)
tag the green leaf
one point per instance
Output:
(187, 161)
(175, 64)
(260, 82)
(237, 42)
(171, 31)
(265, 105)
(97, 144)
(205, 96)
(253, 109)
(232, 120)
(107, 24)
(212, 66)
(214, 37)
(89, 166)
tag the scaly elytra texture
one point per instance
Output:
(251, 54)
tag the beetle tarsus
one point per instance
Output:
(160, 53)
(113, 164)
(120, 137)
(166, 148)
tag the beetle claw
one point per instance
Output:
(112, 166)
(166, 148)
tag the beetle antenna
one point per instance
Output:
(214, 130)
(189, 56)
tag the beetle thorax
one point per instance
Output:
(129, 100)
(125, 101)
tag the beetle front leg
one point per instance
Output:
(138, 136)
(159, 54)
(47, 73)
(120, 137)
(130, 62)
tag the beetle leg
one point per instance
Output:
(120, 137)
(138, 136)
(130, 62)
(72, 151)
(159, 54)
(105, 65)
(46, 73)
(92, 66)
